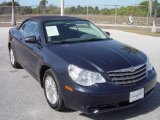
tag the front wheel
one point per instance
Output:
(13, 61)
(52, 91)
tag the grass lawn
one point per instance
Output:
(143, 32)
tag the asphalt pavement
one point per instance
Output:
(22, 98)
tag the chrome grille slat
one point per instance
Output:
(127, 69)
(130, 82)
(125, 74)
(128, 76)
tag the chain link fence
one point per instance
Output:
(109, 16)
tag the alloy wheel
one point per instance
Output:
(12, 58)
(51, 90)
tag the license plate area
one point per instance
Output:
(136, 95)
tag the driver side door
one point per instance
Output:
(30, 51)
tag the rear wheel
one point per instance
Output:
(52, 91)
(13, 61)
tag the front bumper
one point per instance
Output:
(104, 98)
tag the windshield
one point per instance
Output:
(72, 31)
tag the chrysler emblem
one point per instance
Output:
(132, 69)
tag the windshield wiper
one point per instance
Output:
(76, 40)
(61, 41)
(93, 39)
(66, 41)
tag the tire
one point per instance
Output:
(52, 91)
(13, 61)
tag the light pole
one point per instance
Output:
(154, 27)
(62, 7)
(13, 22)
(87, 12)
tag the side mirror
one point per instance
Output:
(31, 39)
(107, 33)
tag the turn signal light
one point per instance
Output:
(68, 88)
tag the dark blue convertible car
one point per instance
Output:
(79, 66)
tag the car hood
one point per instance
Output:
(99, 56)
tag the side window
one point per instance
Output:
(30, 28)
(22, 28)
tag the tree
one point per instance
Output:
(43, 4)
(9, 3)
(4, 10)
(97, 11)
(72, 9)
(25, 10)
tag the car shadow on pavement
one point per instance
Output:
(144, 107)
(68, 110)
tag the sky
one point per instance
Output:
(81, 2)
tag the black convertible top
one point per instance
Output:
(44, 18)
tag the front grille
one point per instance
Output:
(129, 76)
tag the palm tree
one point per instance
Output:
(43, 4)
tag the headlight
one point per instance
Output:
(84, 77)
(149, 65)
